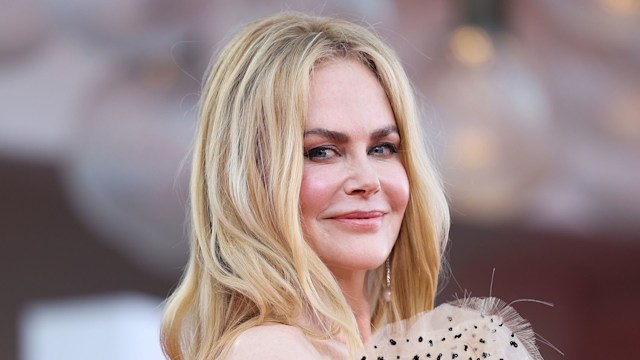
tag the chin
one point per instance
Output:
(368, 261)
(353, 251)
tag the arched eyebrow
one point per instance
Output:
(328, 134)
(387, 130)
(343, 138)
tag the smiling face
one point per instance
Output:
(354, 186)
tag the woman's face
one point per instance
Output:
(354, 186)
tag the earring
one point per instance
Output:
(387, 290)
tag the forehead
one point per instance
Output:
(346, 95)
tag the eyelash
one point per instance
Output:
(392, 147)
(311, 154)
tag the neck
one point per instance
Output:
(354, 287)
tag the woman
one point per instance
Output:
(316, 213)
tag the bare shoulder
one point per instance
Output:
(272, 341)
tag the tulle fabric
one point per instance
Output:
(470, 328)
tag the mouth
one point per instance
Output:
(365, 220)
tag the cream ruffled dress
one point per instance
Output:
(467, 329)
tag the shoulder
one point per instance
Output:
(272, 341)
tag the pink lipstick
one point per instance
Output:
(365, 220)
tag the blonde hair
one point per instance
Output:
(249, 262)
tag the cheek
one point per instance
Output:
(316, 190)
(396, 183)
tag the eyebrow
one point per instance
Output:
(387, 130)
(343, 138)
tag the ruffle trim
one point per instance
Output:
(469, 328)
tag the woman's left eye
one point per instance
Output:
(321, 153)
(383, 149)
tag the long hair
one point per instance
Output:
(249, 262)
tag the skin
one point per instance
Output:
(354, 186)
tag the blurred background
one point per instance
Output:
(532, 108)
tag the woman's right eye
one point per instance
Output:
(320, 153)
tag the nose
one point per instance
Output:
(363, 179)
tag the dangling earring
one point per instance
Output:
(387, 290)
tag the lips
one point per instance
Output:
(362, 220)
(360, 215)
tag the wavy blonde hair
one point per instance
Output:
(249, 262)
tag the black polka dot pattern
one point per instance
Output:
(474, 328)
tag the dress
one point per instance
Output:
(468, 329)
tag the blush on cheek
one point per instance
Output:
(316, 190)
(396, 185)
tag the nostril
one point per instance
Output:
(363, 189)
